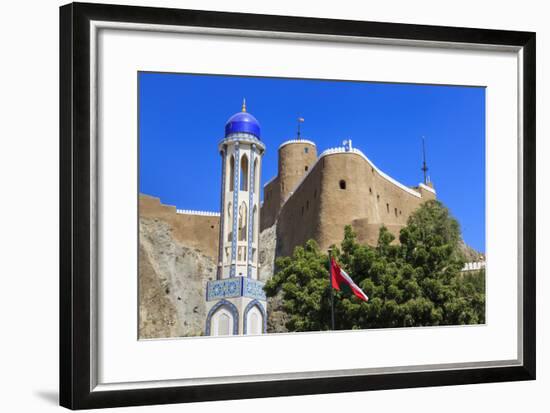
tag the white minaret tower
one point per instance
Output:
(236, 301)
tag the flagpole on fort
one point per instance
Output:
(330, 286)
(424, 166)
(300, 120)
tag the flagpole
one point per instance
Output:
(330, 286)
(298, 135)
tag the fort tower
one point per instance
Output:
(295, 160)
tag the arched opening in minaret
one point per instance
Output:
(254, 319)
(222, 319)
(242, 222)
(254, 322)
(231, 173)
(256, 177)
(244, 173)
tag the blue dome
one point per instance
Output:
(242, 122)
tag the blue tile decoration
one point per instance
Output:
(253, 289)
(222, 214)
(236, 173)
(251, 184)
(235, 287)
(226, 288)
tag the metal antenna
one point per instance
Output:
(424, 166)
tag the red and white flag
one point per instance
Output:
(339, 276)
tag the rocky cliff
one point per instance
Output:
(172, 283)
(276, 317)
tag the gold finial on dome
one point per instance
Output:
(244, 105)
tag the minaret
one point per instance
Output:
(236, 301)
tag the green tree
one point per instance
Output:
(416, 282)
(303, 280)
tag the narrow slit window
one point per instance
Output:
(244, 173)
(243, 218)
(230, 222)
(231, 172)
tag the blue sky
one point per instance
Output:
(182, 119)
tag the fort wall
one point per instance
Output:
(271, 205)
(194, 229)
(344, 187)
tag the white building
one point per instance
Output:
(236, 301)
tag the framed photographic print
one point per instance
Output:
(257, 206)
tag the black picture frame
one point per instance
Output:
(75, 219)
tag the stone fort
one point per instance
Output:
(203, 272)
(314, 196)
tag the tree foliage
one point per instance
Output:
(416, 282)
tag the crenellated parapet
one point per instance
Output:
(194, 212)
(473, 266)
(299, 141)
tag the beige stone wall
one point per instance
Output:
(367, 233)
(426, 194)
(194, 231)
(271, 204)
